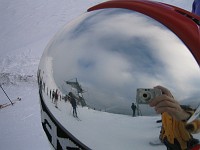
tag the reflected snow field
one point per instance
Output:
(113, 131)
(102, 58)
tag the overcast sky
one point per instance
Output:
(113, 52)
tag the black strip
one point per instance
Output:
(61, 131)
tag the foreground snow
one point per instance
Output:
(20, 124)
(102, 130)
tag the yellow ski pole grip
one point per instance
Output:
(193, 127)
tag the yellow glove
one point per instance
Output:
(174, 130)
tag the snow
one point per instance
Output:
(113, 129)
(25, 29)
(20, 123)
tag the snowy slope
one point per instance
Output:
(115, 131)
(25, 29)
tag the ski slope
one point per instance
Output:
(26, 28)
(115, 131)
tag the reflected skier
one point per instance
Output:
(56, 98)
(72, 100)
(53, 96)
(133, 107)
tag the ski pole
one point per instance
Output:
(78, 111)
(70, 111)
(6, 94)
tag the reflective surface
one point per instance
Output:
(102, 58)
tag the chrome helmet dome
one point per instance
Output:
(102, 57)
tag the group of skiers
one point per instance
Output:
(55, 94)
(54, 97)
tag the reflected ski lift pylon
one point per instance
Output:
(75, 84)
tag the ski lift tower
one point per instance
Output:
(139, 113)
(79, 89)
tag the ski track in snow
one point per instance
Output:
(26, 28)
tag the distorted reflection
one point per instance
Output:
(99, 60)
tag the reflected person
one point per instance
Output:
(56, 98)
(173, 133)
(53, 96)
(72, 100)
(133, 107)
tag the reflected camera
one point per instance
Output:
(145, 95)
